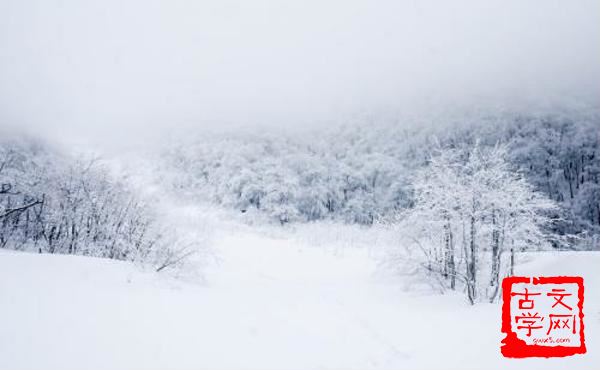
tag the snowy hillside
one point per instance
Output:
(268, 304)
(299, 185)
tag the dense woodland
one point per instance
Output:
(364, 173)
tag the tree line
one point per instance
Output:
(362, 173)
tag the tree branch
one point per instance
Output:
(20, 209)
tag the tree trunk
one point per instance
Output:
(449, 261)
(472, 265)
(512, 260)
(495, 247)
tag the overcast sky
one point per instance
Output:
(95, 67)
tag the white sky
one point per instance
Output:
(98, 67)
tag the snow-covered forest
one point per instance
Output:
(292, 184)
(516, 183)
(361, 173)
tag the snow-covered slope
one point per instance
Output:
(269, 304)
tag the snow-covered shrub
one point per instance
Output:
(53, 203)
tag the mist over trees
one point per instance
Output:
(361, 173)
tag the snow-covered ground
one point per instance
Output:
(270, 303)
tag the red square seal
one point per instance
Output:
(542, 316)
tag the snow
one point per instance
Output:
(269, 303)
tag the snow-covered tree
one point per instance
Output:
(471, 208)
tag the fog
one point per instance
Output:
(112, 69)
